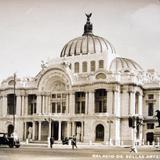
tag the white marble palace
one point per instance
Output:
(90, 91)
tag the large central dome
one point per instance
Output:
(88, 43)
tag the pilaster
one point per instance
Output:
(4, 109)
(59, 131)
(109, 101)
(18, 110)
(38, 104)
(91, 107)
(132, 102)
(72, 103)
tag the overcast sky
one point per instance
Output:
(35, 30)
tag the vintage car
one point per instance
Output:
(10, 141)
(66, 140)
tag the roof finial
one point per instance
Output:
(88, 26)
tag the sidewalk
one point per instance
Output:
(79, 145)
(60, 145)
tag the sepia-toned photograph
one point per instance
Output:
(79, 79)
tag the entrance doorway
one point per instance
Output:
(78, 131)
(150, 137)
(55, 129)
(10, 129)
(99, 132)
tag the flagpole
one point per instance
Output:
(14, 102)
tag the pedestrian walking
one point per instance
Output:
(73, 142)
(51, 141)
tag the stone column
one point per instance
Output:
(125, 103)
(56, 107)
(46, 105)
(4, 106)
(26, 105)
(109, 101)
(140, 104)
(68, 129)
(39, 104)
(49, 130)
(82, 130)
(141, 134)
(25, 130)
(117, 131)
(117, 103)
(33, 130)
(49, 104)
(86, 103)
(39, 130)
(73, 128)
(91, 107)
(72, 103)
(18, 110)
(61, 107)
(43, 104)
(110, 131)
(67, 103)
(59, 131)
(23, 105)
(132, 102)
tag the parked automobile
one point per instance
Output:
(10, 141)
(66, 140)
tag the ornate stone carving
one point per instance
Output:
(101, 76)
(58, 86)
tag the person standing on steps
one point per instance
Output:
(51, 142)
(73, 142)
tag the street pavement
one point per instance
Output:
(64, 152)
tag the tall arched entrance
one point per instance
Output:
(99, 132)
(10, 129)
(149, 137)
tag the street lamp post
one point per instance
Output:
(14, 102)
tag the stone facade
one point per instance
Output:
(89, 92)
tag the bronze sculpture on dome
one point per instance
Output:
(88, 16)
(88, 26)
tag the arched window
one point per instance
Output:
(93, 66)
(101, 64)
(76, 67)
(99, 132)
(84, 67)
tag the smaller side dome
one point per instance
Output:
(124, 65)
